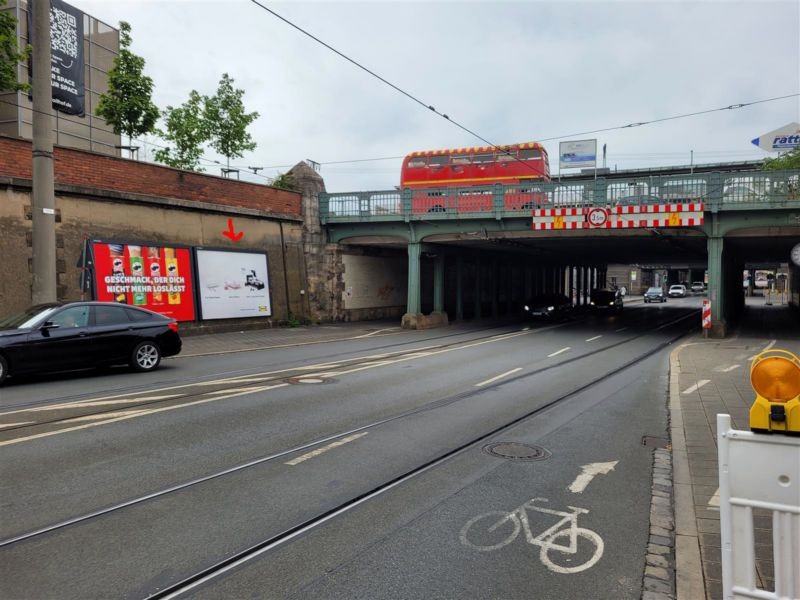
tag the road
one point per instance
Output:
(351, 469)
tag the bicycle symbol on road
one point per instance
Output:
(559, 543)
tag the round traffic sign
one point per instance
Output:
(597, 217)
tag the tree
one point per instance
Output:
(789, 160)
(284, 181)
(127, 106)
(228, 120)
(187, 129)
(10, 53)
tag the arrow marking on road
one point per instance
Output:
(588, 472)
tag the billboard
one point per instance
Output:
(66, 57)
(158, 278)
(232, 285)
(577, 154)
(783, 138)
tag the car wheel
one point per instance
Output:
(3, 369)
(145, 356)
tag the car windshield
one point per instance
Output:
(29, 317)
(654, 290)
(676, 287)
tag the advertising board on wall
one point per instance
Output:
(232, 285)
(577, 154)
(154, 277)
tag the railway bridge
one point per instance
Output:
(479, 251)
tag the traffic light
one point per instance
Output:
(775, 377)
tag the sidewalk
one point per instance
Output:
(709, 377)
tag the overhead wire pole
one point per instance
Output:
(43, 202)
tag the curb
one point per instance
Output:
(689, 581)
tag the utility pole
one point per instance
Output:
(43, 201)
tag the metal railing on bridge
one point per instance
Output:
(717, 191)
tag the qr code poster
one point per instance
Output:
(66, 57)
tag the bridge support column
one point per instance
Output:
(459, 289)
(494, 287)
(716, 287)
(581, 286)
(477, 311)
(438, 284)
(413, 303)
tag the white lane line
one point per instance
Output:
(731, 368)
(557, 352)
(4, 425)
(138, 414)
(714, 501)
(105, 402)
(488, 381)
(620, 329)
(696, 386)
(770, 345)
(318, 451)
(591, 339)
(370, 334)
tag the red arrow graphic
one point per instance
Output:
(235, 237)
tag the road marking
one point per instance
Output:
(370, 334)
(488, 381)
(696, 386)
(4, 425)
(731, 368)
(620, 329)
(557, 352)
(588, 472)
(591, 339)
(714, 501)
(90, 403)
(769, 346)
(140, 413)
(318, 451)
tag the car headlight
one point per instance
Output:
(551, 308)
(611, 304)
(527, 307)
(592, 303)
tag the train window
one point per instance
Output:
(529, 154)
(439, 160)
(506, 156)
(483, 158)
(415, 163)
(461, 159)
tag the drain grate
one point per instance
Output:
(516, 451)
(655, 442)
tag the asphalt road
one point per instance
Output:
(375, 446)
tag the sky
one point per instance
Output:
(508, 71)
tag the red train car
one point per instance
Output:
(473, 171)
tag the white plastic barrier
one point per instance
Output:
(758, 471)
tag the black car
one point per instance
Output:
(655, 294)
(80, 335)
(548, 306)
(602, 299)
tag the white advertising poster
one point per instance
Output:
(577, 154)
(233, 285)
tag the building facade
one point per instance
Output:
(87, 132)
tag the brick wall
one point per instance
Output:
(88, 169)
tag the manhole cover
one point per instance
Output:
(516, 451)
(309, 380)
(655, 442)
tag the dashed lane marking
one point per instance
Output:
(731, 368)
(557, 352)
(591, 339)
(696, 386)
(620, 329)
(488, 381)
(331, 446)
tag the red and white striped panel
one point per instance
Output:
(621, 217)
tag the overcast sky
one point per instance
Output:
(509, 71)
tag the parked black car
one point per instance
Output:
(603, 299)
(655, 294)
(548, 306)
(80, 335)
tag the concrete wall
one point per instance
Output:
(374, 286)
(193, 212)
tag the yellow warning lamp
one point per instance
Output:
(775, 376)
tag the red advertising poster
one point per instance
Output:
(158, 278)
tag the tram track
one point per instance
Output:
(430, 406)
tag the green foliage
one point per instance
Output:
(187, 129)
(284, 181)
(788, 160)
(127, 106)
(228, 120)
(10, 52)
